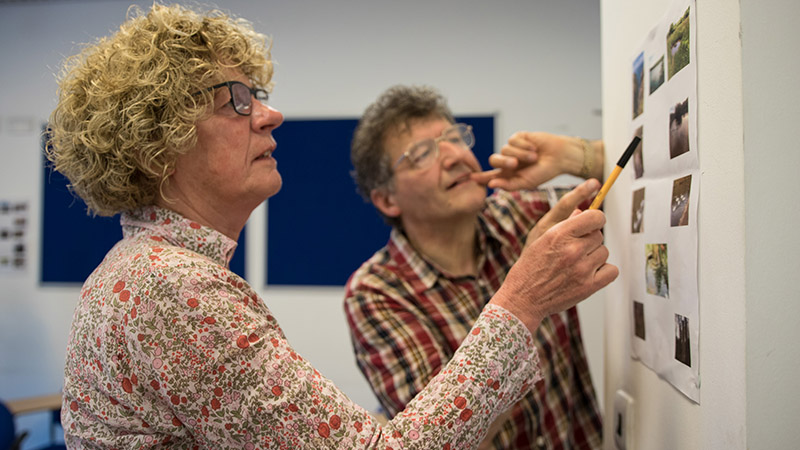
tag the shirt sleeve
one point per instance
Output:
(397, 347)
(516, 212)
(586, 419)
(212, 353)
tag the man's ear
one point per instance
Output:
(384, 200)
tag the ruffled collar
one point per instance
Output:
(175, 229)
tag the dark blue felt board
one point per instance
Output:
(319, 229)
(74, 243)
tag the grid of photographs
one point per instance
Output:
(664, 201)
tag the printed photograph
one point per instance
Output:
(678, 45)
(679, 129)
(679, 216)
(13, 229)
(637, 213)
(638, 85)
(638, 156)
(638, 319)
(656, 270)
(683, 351)
(657, 75)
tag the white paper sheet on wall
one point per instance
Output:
(665, 190)
(13, 236)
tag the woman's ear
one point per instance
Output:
(383, 199)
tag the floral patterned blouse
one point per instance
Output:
(170, 349)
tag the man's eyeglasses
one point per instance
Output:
(241, 96)
(422, 154)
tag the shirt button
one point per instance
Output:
(540, 442)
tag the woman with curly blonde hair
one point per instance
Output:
(166, 122)
(128, 104)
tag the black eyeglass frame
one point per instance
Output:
(259, 94)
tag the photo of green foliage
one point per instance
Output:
(638, 85)
(657, 75)
(678, 45)
(656, 269)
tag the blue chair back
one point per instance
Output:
(7, 429)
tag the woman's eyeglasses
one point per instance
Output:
(241, 96)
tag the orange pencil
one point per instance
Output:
(615, 173)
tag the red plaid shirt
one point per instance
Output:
(407, 318)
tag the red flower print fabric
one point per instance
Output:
(170, 349)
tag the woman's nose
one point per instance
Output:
(265, 117)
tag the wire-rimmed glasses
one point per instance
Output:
(423, 153)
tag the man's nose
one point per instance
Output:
(451, 153)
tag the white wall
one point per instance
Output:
(535, 64)
(770, 41)
(747, 142)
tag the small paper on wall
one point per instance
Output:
(13, 236)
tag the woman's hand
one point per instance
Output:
(564, 208)
(565, 265)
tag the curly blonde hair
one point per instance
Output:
(129, 102)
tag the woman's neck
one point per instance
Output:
(228, 224)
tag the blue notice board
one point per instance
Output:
(74, 243)
(319, 229)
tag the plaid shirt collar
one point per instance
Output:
(422, 273)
